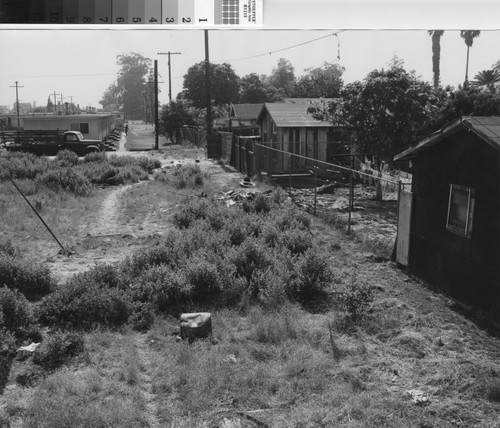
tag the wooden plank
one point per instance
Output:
(404, 227)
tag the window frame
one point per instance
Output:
(466, 231)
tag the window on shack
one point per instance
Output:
(81, 127)
(460, 210)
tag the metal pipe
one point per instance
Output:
(39, 216)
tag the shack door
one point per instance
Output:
(404, 229)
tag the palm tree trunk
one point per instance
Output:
(436, 55)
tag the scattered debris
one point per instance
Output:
(327, 188)
(26, 351)
(246, 183)
(418, 397)
(196, 325)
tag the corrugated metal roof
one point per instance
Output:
(246, 111)
(485, 127)
(293, 115)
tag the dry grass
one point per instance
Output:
(64, 213)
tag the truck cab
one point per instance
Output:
(76, 142)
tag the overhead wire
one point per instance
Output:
(289, 47)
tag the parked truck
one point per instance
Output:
(50, 142)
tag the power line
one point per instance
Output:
(284, 49)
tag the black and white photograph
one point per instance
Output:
(210, 220)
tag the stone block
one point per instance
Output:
(196, 325)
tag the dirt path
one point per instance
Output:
(146, 380)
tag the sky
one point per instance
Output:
(82, 63)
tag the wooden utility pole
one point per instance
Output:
(55, 102)
(156, 105)
(17, 100)
(207, 86)
(169, 72)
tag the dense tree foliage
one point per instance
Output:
(469, 101)
(127, 93)
(324, 81)
(283, 77)
(257, 89)
(224, 88)
(487, 78)
(383, 114)
(180, 113)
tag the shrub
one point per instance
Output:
(67, 158)
(355, 297)
(190, 211)
(30, 279)
(161, 287)
(142, 317)
(182, 176)
(15, 311)
(82, 303)
(95, 157)
(250, 256)
(7, 248)
(203, 278)
(57, 349)
(310, 275)
(65, 178)
(296, 241)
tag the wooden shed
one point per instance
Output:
(290, 128)
(243, 114)
(454, 220)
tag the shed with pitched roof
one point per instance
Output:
(455, 215)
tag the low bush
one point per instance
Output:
(30, 279)
(310, 276)
(67, 158)
(83, 303)
(57, 349)
(354, 296)
(15, 312)
(182, 176)
(190, 211)
(65, 178)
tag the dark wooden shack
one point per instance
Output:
(455, 215)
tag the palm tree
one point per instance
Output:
(468, 36)
(487, 78)
(436, 53)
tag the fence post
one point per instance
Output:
(315, 190)
(351, 197)
(290, 175)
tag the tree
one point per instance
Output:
(436, 53)
(283, 77)
(470, 101)
(488, 78)
(324, 81)
(127, 94)
(50, 105)
(180, 113)
(111, 99)
(224, 88)
(468, 36)
(256, 89)
(383, 114)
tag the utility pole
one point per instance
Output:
(17, 100)
(55, 102)
(169, 72)
(207, 86)
(156, 105)
(71, 103)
